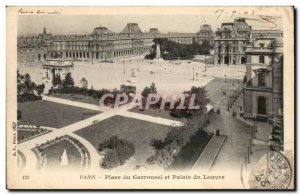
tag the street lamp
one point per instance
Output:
(205, 63)
(124, 66)
(193, 73)
(115, 136)
(255, 123)
(228, 104)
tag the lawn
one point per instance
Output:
(140, 133)
(77, 98)
(55, 151)
(49, 114)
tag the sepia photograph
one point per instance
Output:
(150, 98)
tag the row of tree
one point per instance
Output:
(171, 50)
(200, 100)
(178, 137)
(67, 86)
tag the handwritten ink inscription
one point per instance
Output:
(40, 11)
(220, 12)
(243, 14)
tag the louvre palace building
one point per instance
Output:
(231, 40)
(101, 44)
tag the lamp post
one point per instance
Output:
(255, 123)
(124, 67)
(205, 63)
(193, 73)
(115, 136)
(228, 104)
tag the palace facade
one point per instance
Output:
(231, 41)
(102, 44)
(263, 90)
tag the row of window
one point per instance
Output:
(101, 56)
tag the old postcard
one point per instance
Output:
(150, 98)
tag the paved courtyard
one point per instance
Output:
(170, 78)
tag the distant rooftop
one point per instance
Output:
(205, 27)
(241, 25)
(101, 30)
(153, 30)
(132, 28)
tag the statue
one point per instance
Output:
(64, 158)
(157, 51)
(218, 33)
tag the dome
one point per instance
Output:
(205, 27)
(101, 30)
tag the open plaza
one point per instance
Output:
(170, 77)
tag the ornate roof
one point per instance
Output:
(241, 25)
(101, 30)
(206, 27)
(58, 63)
(132, 28)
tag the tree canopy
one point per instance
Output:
(172, 50)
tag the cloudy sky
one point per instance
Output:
(84, 24)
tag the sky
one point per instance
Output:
(84, 24)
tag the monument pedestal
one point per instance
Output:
(158, 55)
